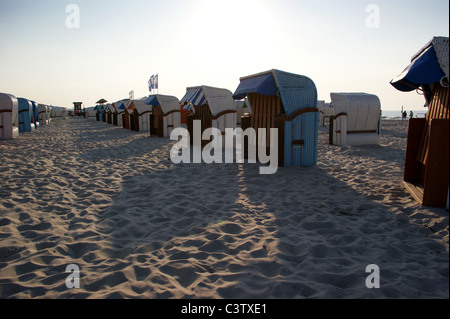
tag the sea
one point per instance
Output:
(397, 115)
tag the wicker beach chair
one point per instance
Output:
(214, 107)
(166, 114)
(139, 115)
(357, 120)
(26, 115)
(288, 102)
(100, 113)
(426, 174)
(118, 109)
(35, 116)
(9, 117)
(44, 114)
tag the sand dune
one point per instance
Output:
(138, 226)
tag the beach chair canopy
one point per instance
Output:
(296, 91)
(428, 66)
(362, 110)
(119, 106)
(168, 103)
(140, 106)
(219, 100)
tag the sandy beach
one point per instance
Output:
(110, 201)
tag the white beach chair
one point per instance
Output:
(9, 117)
(357, 120)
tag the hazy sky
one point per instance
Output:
(340, 44)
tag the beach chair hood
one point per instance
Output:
(296, 91)
(168, 103)
(362, 110)
(428, 66)
(219, 100)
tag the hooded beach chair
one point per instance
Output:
(44, 115)
(26, 115)
(100, 112)
(35, 116)
(357, 120)
(214, 107)
(9, 116)
(166, 114)
(288, 102)
(426, 174)
(119, 108)
(139, 115)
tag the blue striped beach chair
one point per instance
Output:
(288, 102)
(25, 115)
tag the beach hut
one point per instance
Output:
(26, 115)
(288, 102)
(9, 116)
(140, 113)
(357, 120)
(426, 174)
(166, 114)
(214, 107)
(44, 114)
(77, 108)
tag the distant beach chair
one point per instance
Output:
(89, 112)
(214, 107)
(44, 114)
(288, 102)
(166, 114)
(119, 108)
(100, 112)
(326, 111)
(126, 116)
(26, 115)
(35, 115)
(58, 112)
(426, 174)
(357, 120)
(9, 117)
(140, 115)
(109, 109)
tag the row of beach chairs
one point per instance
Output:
(273, 99)
(19, 115)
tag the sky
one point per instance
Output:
(54, 54)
